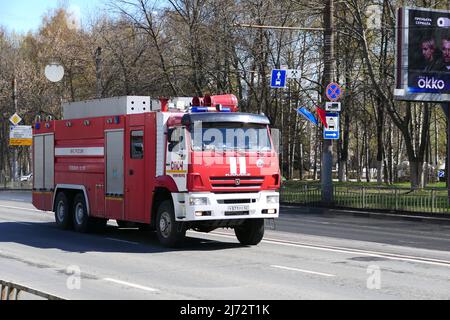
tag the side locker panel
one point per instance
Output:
(114, 203)
(38, 173)
(49, 162)
(43, 174)
(114, 162)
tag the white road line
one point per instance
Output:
(386, 255)
(119, 240)
(21, 208)
(305, 271)
(391, 256)
(131, 285)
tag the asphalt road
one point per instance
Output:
(309, 255)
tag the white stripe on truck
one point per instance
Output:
(88, 151)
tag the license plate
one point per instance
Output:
(238, 208)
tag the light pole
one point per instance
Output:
(328, 76)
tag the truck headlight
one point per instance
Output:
(273, 199)
(196, 201)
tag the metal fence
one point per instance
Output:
(433, 200)
(13, 291)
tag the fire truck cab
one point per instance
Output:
(168, 164)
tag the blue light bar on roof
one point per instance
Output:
(199, 109)
(210, 109)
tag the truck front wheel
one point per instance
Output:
(250, 232)
(63, 211)
(170, 232)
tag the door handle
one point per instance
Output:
(130, 172)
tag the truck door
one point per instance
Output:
(135, 174)
(177, 157)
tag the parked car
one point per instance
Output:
(28, 177)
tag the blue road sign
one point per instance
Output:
(441, 174)
(332, 132)
(278, 79)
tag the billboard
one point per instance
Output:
(423, 55)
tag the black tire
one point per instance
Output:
(170, 232)
(81, 219)
(63, 211)
(251, 232)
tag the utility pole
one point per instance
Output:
(98, 71)
(15, 169)
(328, 76)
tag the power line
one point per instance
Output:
(244, 25)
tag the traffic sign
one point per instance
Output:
(20, 136)
(293, 74)
(15, 119)
(333, 91)
(333, 106)
(332, 131)
(278, 79)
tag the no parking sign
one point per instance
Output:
(333, 91)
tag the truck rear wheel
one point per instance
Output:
(250, 232)
(63, 211)
(170, 232)
(80, 214)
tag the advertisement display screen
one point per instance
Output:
(423, 55)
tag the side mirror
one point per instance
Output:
(174, 135)
(174, 138)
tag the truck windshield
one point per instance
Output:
(230, 136)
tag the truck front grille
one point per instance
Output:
(236, 201)
(236, 182)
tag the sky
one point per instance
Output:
(22, 16)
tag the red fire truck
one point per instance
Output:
(166, 164)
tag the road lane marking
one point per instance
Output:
(119, 240)
(377, 254)
(21, 208)
(15, 221)
(352, 251)
(137, 286)
(305, 271)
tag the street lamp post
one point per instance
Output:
(328, 76)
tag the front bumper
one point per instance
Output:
(225, 206)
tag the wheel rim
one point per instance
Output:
(165, 225)
(61, 211)
(79, 213)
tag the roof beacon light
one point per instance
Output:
(221, 103)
